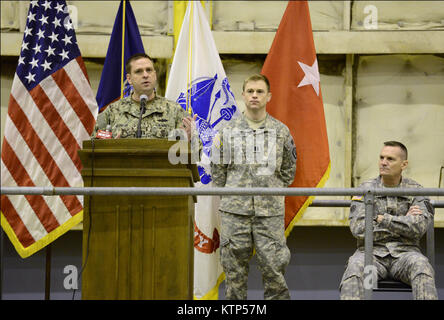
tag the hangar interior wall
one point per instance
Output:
(394, 91)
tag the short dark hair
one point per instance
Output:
(257, 77)
(397, 144)
(134, 57)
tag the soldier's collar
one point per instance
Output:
(244, 122)
(133, 107)
(382, 185)
(254, 120)
(138, 102)
(152, 107)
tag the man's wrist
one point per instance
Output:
(383, 220)
(378, 218)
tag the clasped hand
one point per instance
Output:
(189, 124)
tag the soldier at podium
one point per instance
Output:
(160, 117)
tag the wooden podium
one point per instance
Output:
(136, 247)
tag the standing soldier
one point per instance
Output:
(399, 223)
(254, 150)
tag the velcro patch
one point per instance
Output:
(290, 146)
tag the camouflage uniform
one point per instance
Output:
(396, 239)
(253, 221)
(160, 118)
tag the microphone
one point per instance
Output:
(143, 100)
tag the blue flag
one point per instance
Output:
(125, 37)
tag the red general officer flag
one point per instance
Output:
(292, 68)
(51, 110)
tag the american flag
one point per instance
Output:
(51, 110)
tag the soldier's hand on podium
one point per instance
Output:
(189, 124)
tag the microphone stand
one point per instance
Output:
(142, 111)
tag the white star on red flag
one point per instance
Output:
(311, 76)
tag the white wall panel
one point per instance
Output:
(9, 11)
(266, 15)
(99, 16)
(399, 15)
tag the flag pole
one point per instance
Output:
(123, 48)
(48, 273)
(1, 263)
(190, 58)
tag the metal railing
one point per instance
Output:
(205, 191)
(368, 193)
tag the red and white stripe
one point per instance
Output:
(44, 129)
